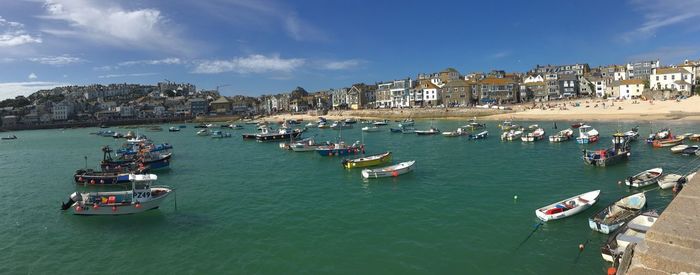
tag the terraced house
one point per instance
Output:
(458, 92)
(361, 96)
(499, 89)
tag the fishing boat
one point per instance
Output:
(143, 160)
(381, 123)
(587, 135)
(678, 148)
(117, 135)
(371, 129)
(664, 133)
(620, 151)
(577, 125)
(632, 134)
(173, 129)
(220, 134)
(10, 137)
(613, 216)
(340, 149)
(146, 146)
(533, 127)
(481, 135)
(340, 125)
(507, 125)
(236, 126)
(323, 125)
(203, 132)
(307, 145)
(511, 135)
(631, 233)
(668, 142)
(282, 134)
(537, 134)
(350, 121)
(562, 135)
(367, 161)
(645, 178)
(389, 171)
(140, 198)
(458, 132)
(690, 151)
(669, 180)
(430, 131)
(473, 125)
(568, 207)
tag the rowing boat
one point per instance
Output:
(568, 207)
(389, 171)
(618, 213)
(367, 161)
(645, 178)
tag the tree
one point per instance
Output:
(299, 92)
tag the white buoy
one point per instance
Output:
(515, 197)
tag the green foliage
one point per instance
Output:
(17, 102)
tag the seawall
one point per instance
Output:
(419, 113)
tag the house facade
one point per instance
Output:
(198, 106)
(674, 79)
(221, 105)
(627, 89)
(458, 93)
(361, 96)
(62, 110)
(569, 85)
(430, 92)
(641, 69)
(498, 90)
(340, 98)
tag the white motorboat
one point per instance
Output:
(458, 132)
(431, 131)
(203, 132)
(174, 129)
(389, 171)
(568, 207)
(511, 135)
(563, 135)
(587, 135)
(537, 134)
(645, 178)
(140, 198)
(633, 232)
(308, 145)
(678, 148)
(371, 129)
(613, 216)
(669, 180)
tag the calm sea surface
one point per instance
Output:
(248, 207)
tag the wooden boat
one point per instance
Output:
(678, 148)
(458, 132)
(203, 132)
(669, 180)
(173, 129)
(367, 161)
(662, 134)
(140, 198)
(577, 125)
(511, 135)
(645, 178)
(371, 129)
(631, 233)
(340, 149)
(690, 151)
(563, 135)
(430, 131)
(10, 137)
(389, 171)
(537, 134)
(613, 216)
(481, 135)
(694, 137)
(587, 135)
(90, 177)
(672, 141)
(567, 207)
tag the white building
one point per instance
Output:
(125, 111)
(400, 92)
(62, 110)
(533, 78)
(627, 89)
(600, 86)
(675, 79)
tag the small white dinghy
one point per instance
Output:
(633, 232)
(568, 207)
(670, 180)
(613, 216)
(678, 148)
(645, 178)
(389, 171)
(370, 129)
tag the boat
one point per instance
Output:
(282, 134)
(473, 125)
(236, 126)
(155, 129)
(567, 207)
(350, 121)
(389, 171)
(395, 130)
(562, 135)
(507, 125)
(143, 160)
(662, 134)
(91, 177)
(511, 135)
(340, 149)
(678, 148)
(311, 124)
(144, 146)
(173, 129)
(694, 137)
(612, 217)
(620, 151)
(200, 126)
(632, 134)
(458, 132)
(577, 125)
(340, 125)
(10, 137)
(537, 134)
(691, 150)
(669, 180)
(406, 124)
(140, 198)
(203, 132)
(117, 135)
(633, 232)
(645, 178)
(587, 135)
(481, 135)
(668, 142)
(430, 131)
(380, 123)
(533, 127)
(371, 129)
(367, 161)
(323, 125)
(306, 145)
(220, 134)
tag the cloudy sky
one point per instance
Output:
(257, 46)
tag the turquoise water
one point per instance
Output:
(248, 207)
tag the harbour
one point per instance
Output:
(249, 207)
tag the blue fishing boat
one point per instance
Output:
(151, 148)
(340, 149)
(149, 160)
(91, 177)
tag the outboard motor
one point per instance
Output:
(73, 198)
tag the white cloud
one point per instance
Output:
(343, 64)
(57, 60)
(13, 89)
(108, 23)
(668, 54)
(32, 76)
(126, 75)
(501, 54)
(13, 34)
(250, 64)
(164, 61)
(661, 14)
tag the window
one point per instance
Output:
(673, 77)
(664, 77)
(657, 78)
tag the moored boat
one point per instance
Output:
(537, 134)
(690, 150)
(678, 148)
(340, 125)
(511, 135)
(340, 149)
(562, 135)
(669, 180)
(632, 134)
(10, 137)
(266, 135)
(90, 177)
(371, 129)
(306, 145)
(587, 135)
(381, 123)
(203, 132)
(567, 207)
(458, 132)
(694, 137)
(481, 135)
(633, 232)
(668, 142)
(577, 125)
(389, 171)
(645, 178)
(618, 213)
(367, 161)
(220, 134)
(174, 129)
(430, 131)
(662, 134)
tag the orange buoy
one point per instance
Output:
(78, 208)
(394, 174)
(95, 205)
(612, 270)
(92, 181)
(138, 205)
(114, 209)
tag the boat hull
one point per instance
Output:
(277, 137)
(82, 208)
(364, 162)
(607, 161)
(381, 173)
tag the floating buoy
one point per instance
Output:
(78, 208)
(612, 270)
(581, 247)
(138, 205)
(92, 181)
(114, 209)
(95, 205)
(515, 197)
(394, 174)
(102, 181)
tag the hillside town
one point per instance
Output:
(168, 101)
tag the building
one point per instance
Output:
(533, 78)
(534, 90)
(586, 87)
(340, 98)
(600, 85)
(383, 95)
(673, 78)
(569, 85)
(126, 111)
(361, 96)
(431, 93)
(220, 106)
(641, 69)
(400, 92)
(198, 106)
(575, 69)
(448, 75)
(458, 93)
(62, 110)
(552, 82)
(498, 90)
(626, 89)
(9, 122)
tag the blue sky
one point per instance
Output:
(261, 47)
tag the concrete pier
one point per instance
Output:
(672, 245)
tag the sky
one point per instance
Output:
(255, 47)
